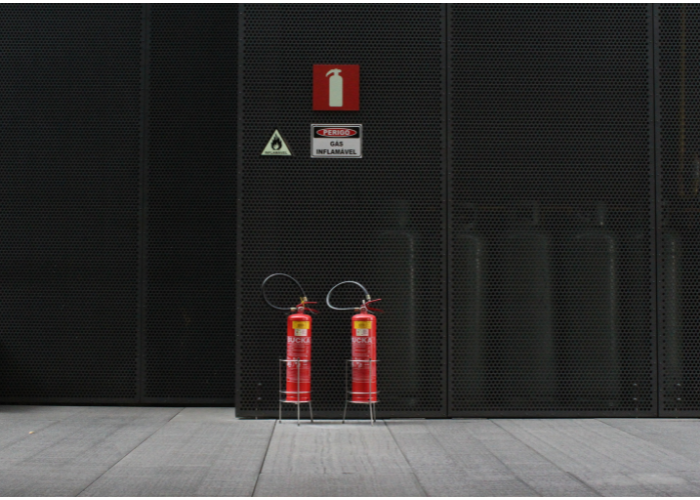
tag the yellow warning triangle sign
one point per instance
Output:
(276, 146)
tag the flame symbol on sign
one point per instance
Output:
(276, 143)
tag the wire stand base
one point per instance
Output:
(348, 393)
(298, 392)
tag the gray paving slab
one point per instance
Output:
(679, 435)
(220, 415)
(198, 453)
(30, 412)
(612, 462)
(79, 440)
(35, 480)
(65, 454)
(15, 430)
(129, 412)
(334, 459)
(478, 458)
(114, 451)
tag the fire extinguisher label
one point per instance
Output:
(300, 324)
(300, 340)
(363, 325)
(362, 332)
(357, 340)
(300, 332)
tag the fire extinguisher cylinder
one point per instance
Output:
(364, 351)
(299, 357)
(363, 347)
(299, 323)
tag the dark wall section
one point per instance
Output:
(69, 172)
(552, 216)
(378, 219)
(118, 135)
(189, 349)
(679, 209)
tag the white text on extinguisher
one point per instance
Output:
(362, 340)
(298, 340)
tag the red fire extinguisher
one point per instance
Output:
(364, 346)
(298, 345)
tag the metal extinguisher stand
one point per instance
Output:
(348, 393)
(299, 327)
(284, 392)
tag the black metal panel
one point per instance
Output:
(190, 311)
(69, 172)
(378, 220)
(679, 248)
(552, 303)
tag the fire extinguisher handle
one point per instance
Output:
(306, 308)
(373, 308)
(328, 297)
(267, 300)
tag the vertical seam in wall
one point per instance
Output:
(239, 209)
(143, 198)
(657, 208)
(447, 305)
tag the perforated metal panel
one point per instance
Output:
(69, 171)
(679, 243)
(190, 310)
(378, 220)
(552, 243)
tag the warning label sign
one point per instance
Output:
(276, 146)
(336, 141)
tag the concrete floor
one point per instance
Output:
(115, 451)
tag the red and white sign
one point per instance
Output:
(336, 132)
(336, 87)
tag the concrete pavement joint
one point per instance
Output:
(413, 473)
(130, 452)
(515, 474)
(262, 462)
(594, 490)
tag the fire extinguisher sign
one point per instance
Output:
(336, 87)
(336, 141)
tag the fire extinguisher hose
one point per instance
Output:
(303, 298)
(365, 301)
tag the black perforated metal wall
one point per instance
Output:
(507, 207)
(191, 200)
(70, 78)
(118, 203)
(379, 220)
(552, 210)
(679, 209)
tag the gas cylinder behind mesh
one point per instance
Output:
(672, 324)
(396, 274)
(591, 342)
(469, 368)
(528, 362)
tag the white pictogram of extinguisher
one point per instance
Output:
(298, 358)
(335, 89)
(363, 352)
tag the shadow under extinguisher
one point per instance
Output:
(528, 362)
(593, 364)
(396, 274)
(468, 264)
